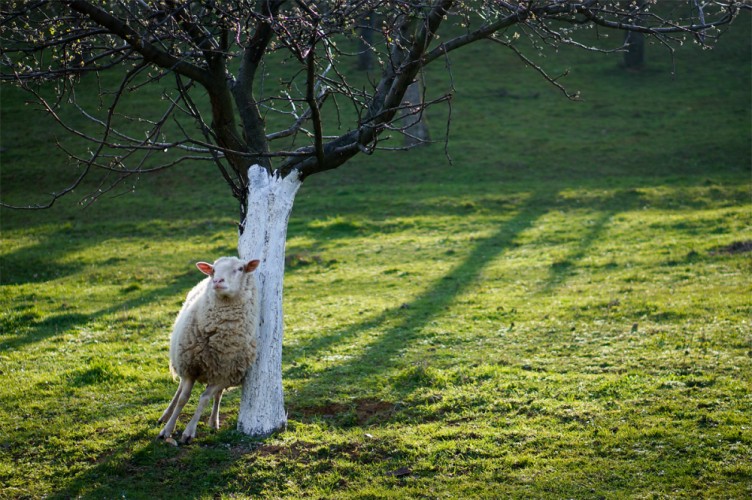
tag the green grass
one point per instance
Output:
(558, 313)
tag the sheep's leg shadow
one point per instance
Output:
(180, 399)
(214, 418)
(210, 393)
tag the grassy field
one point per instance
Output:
(561, 312)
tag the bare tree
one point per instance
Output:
(266, 136)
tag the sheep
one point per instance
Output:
(213, 340)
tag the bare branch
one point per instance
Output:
(313, 104)
(553, 81)
(592, 15)
(53, 196)
(150, 52)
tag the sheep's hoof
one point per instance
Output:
(186, 438)
(171, 441)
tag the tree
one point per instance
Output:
(634, 56)
(266, 137)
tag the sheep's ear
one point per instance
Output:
(251, 265)
(205, 268)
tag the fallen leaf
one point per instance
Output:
(401, 472)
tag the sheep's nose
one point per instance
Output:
(219, 280)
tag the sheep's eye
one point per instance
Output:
(239, 269)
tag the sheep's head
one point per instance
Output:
(228, 274)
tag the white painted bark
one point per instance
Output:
(270, 200)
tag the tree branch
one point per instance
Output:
(150, 53)
(242, 87)
(313, 104)
(589, 13)
(385, 106)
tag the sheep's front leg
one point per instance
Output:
(214, 418)
(183, 395)
(190, 430)
(171, 407)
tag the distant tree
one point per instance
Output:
(265, 136)
(366, 28)
(634, 41)
(413, 124)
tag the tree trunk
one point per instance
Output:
(270, 200)
(365, 44)
(634, 57)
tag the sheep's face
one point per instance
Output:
(227, 274)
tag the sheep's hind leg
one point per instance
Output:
(186, 386)
(171, 407)
(214, 418)
(190, 430)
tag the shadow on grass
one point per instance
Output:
(564, 268)
(204, 466)
(41, 261)
(22, 327)
(397, 327)
(407, 321)
(146, 467)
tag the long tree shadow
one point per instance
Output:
(607, 208)
(411, 318)
(131, 456)
(24, 327)
(399, 326)
(42, 261)
(162, 468)
(149, 463)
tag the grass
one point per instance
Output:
(561, 312)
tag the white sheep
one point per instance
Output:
(214, 339)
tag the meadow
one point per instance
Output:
(560, 311)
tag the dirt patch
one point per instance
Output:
(734, 248)
(362, 411)
(368, 410)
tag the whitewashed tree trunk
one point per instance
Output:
(270, 200)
